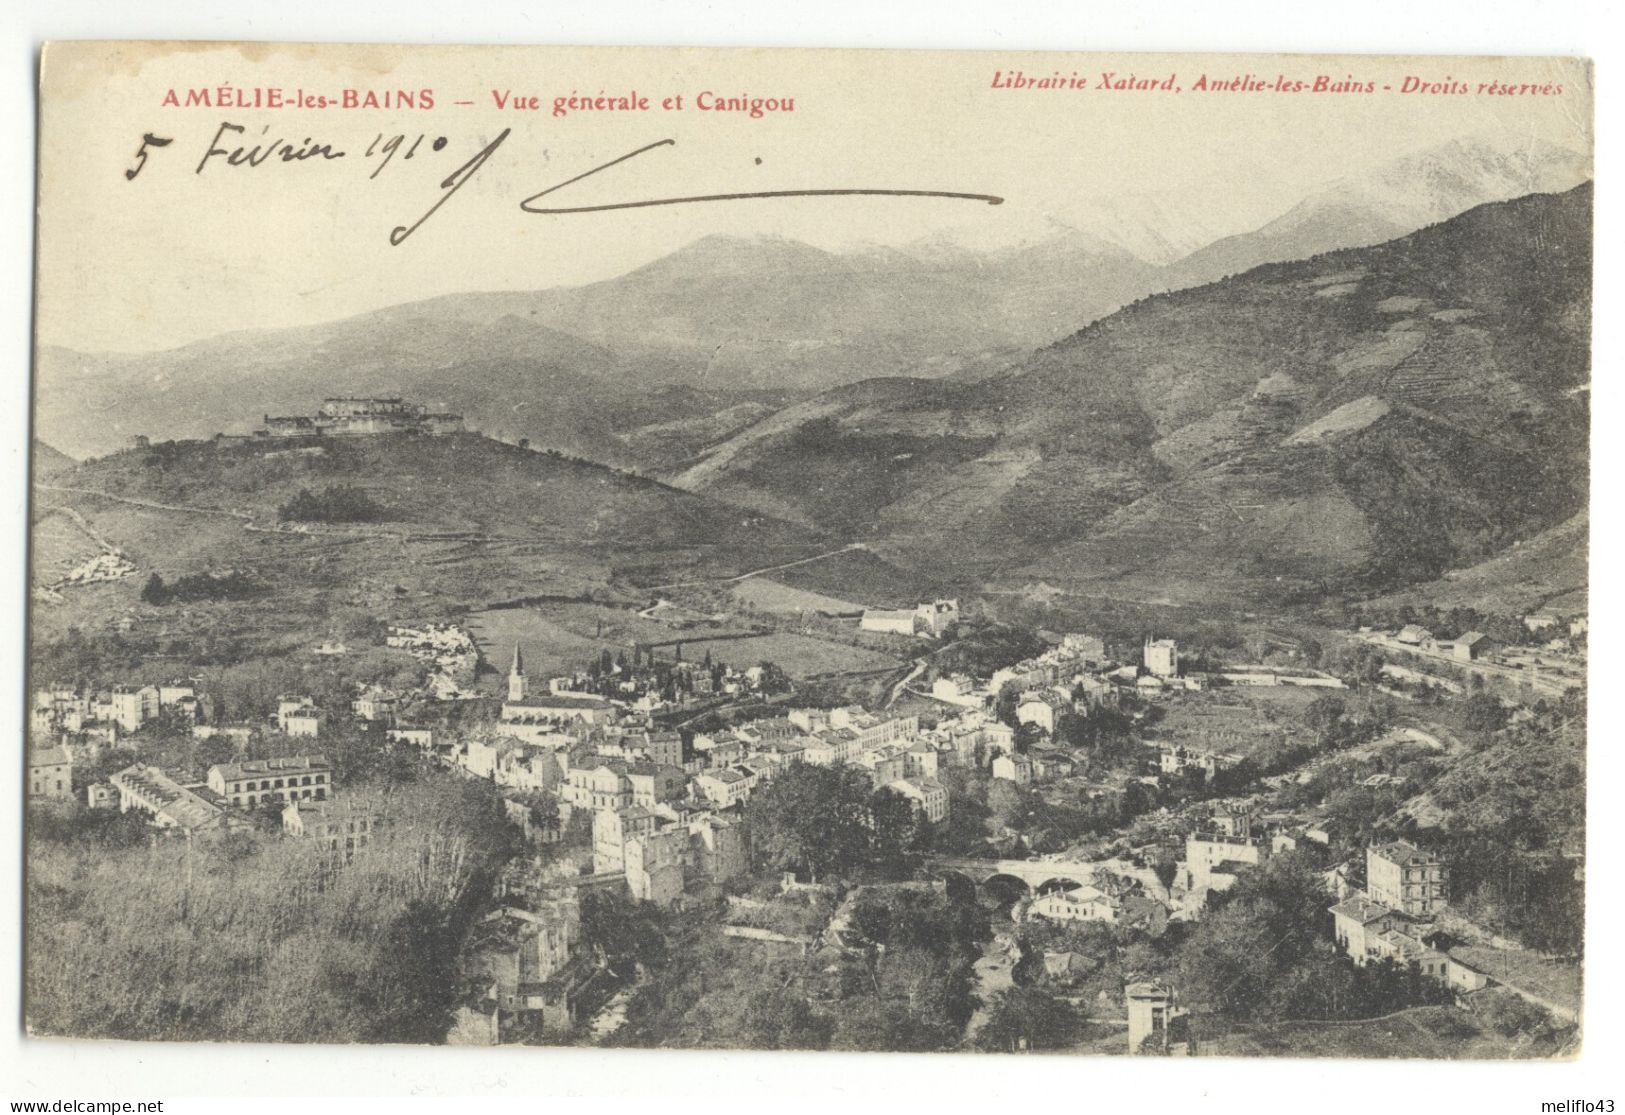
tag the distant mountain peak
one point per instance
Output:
(1413, 190)
(1439, 182)
(728, 252)
(1011, 236)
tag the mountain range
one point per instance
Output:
(646, 369)
(1359, 420)
(1386, 383)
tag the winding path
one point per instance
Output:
(241, 516)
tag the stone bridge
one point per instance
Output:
(1040, 876)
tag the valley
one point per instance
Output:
(924, 649)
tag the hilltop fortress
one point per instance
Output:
(353, 417)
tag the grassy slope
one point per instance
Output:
(1170, 426)
(1423, 1033)
(1549, 570)
(468, 520)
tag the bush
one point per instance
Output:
(1511, 1015)
(337, 503)
(200, 588)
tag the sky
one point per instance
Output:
(178, 253)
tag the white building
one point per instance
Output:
(724, 786)
(1086, 903)
(50, 773)
(133, 705)
(932, 620)
(959, 689)
(1162, 657)
(305, 723)
(1013, 768)
(1043, 707)
(296, 778)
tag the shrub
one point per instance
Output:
(337, 503)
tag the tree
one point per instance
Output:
(1324, 717)
(896, 830)
(1165, 871)
(1025, 1018)
(774, 679)
(814, 819)
(1004, 706)
(1029, 966)
(629, 933)
(214, 751)
(780, 1020)
(1484, 713)
(1007, 806)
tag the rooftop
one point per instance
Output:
(1147, 991)
(1403, 852)
(1361, 909)
(550, 701)
(259, 768)
(166, 797)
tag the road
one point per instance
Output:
(147, 503)
(920, 664)
(893, 693)
(326, 530)
(240, 516)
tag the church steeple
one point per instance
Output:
(516, 675)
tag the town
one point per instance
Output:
(1070, 846)
(1016, 560)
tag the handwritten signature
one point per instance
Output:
(457, 179)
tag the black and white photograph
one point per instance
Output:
(894, 552)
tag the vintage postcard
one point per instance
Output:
(822, 550)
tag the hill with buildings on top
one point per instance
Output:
(304, 526)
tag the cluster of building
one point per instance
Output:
(1467, 647)
(86, 722)
(109, 565)
(1548, 671)
(1216, 853)
(527, 971)
(1406, 889)
(353, 417)
(669, 819)
(1047, 678)
(1554, 624)
(227, 790)
(71, 727)
(1110, 898)
(1175, 759)
(649, 684)
(300, 785)
(64, 710)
